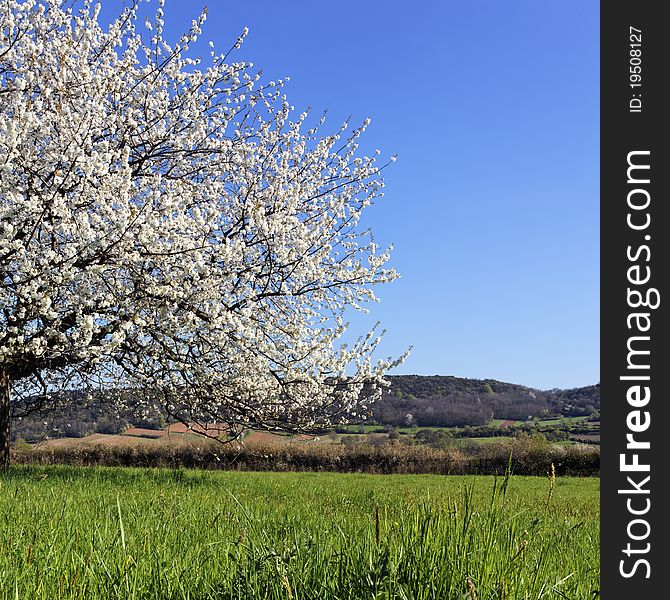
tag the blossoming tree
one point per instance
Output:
(167, 224)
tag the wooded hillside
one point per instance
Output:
(411, 400)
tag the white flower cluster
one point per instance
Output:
(173, 225)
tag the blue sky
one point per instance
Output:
(493, 204)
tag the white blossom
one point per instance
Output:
(172, 225)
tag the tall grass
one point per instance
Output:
(102, 533)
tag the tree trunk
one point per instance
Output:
(5, 387)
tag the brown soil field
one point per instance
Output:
(587, 437)
(211, 429)
(177, 433)
(95, 439)
(276, 439)
(144, 433)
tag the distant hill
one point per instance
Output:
(410, 400)
(441, 400)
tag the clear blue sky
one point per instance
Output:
(493, 204)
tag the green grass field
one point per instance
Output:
(562, 420)
(401, 430)
(499, 422)
(102, 533)
(475, 440)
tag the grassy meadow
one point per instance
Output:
(105, 533)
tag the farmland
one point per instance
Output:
(454, 408)
(171, 534)
(558, 430)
